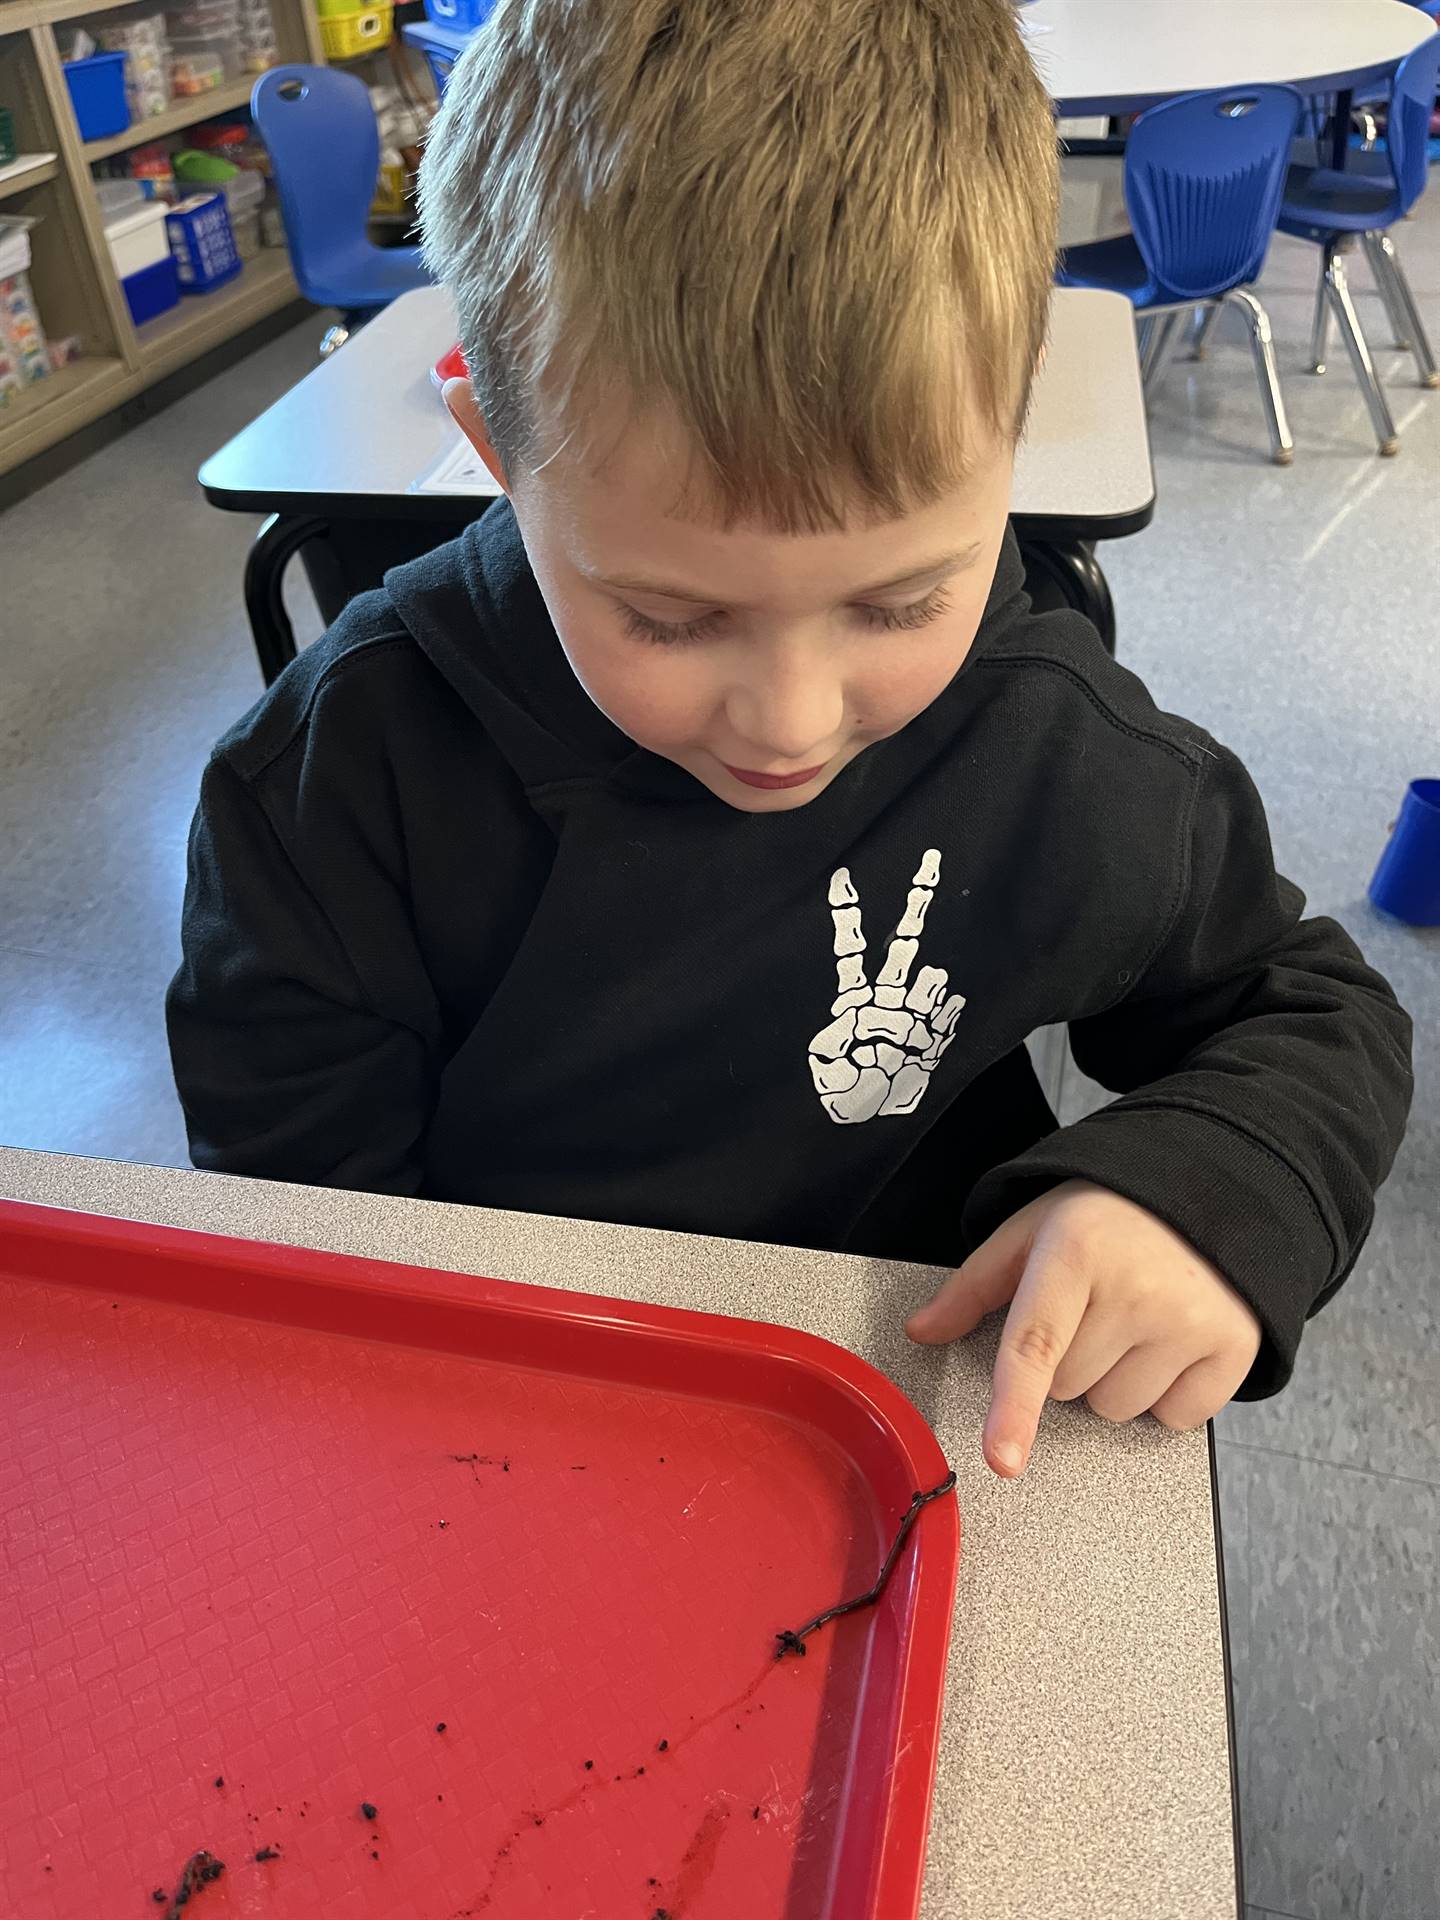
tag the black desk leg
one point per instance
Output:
(1066, 572)
(1340, 129)
(274, 547)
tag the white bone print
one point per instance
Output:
(883, 1042)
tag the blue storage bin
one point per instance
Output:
(201, 241)
(464, 14)
(97, 93)
(154, 289)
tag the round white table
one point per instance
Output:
(1120, 56)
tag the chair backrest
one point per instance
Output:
(319, 130)
(1407, 125)
(1203, 180)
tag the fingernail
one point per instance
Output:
(1007, 1455)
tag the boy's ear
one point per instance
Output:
(459, 398)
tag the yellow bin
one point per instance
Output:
(345, 36)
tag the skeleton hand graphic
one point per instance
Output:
(883, 1043)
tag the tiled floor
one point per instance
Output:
(1292, 612)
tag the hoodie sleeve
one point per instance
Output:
(285, 1067)
(1265, 1078)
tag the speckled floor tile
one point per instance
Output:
(1343, 1681)
(85, 1064)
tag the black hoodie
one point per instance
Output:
(449, 932)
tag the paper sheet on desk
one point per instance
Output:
(458, 470)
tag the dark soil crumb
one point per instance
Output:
(219, 1779)
(368, 1811)
(439, 1796)
(439, 1726)
(199, 1870)
(652, 1881)
(539, 1819)
(662, 1459)
(754, 1813)
(373, 1854)
(268, 1853)
(589, 1766)
(664, 1747)
(442, 1524)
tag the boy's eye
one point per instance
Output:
(919, 613)
(668, 633)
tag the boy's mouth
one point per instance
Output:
(774, 781)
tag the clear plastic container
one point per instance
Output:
(200, 65)
(205, 17)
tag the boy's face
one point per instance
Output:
(762, 663)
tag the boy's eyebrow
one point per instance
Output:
(670, 590)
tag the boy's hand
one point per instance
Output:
(1106, 1301)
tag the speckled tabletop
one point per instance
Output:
(1084, 1764)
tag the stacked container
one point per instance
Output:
(143, 38)
(205, 48)
(139, 247)
(258, 46)
(24, 353)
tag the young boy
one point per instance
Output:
(696, 840)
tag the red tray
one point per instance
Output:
(271, 1517)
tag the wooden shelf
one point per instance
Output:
(183, 113)
(204, 320)
(57, 404)
(29, 170)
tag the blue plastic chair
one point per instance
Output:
(319, 129)
(442, 46)
(1203, 176)
(1372, 192)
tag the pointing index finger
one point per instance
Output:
(1044, 1316)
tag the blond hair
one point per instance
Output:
(822, 232)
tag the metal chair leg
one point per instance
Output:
(1204, 327)
(1400, 300)
(1385, 287)
(1262, 347)
(1338, 287)
(1320, 331)
(1157, 347)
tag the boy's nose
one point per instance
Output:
(791, 717)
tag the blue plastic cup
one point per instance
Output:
(1407, 880)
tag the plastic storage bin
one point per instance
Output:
(140, 250)
(460, 13)
(202, 243)
(200, 63)
(243, 191)
(97, 93)
(346, 35)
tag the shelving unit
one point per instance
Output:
(71, 271)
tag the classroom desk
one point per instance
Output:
(1121, 56)
(334, 460)
(1085, 1765)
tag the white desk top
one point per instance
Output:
(1084, 1766)
(1117, 56)
(368, 422)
